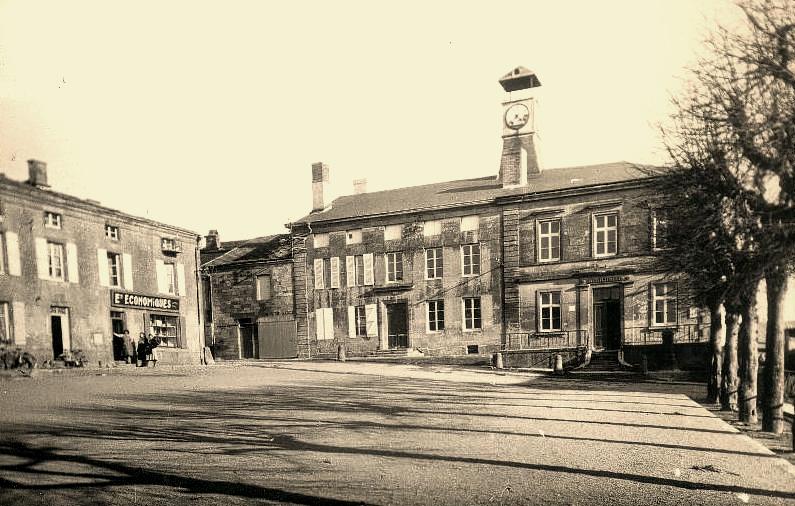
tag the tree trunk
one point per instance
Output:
(773, 373)
(717, 340)
(729, 378)
(749, 361)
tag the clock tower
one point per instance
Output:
(519, 161)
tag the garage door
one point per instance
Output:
(277, 339)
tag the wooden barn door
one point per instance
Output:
(278, 339)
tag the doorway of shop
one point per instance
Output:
(60, 330)
(117, 328)
(249, 345)
(607, 317)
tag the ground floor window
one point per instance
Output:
(549, 305)
(435, 315)
(472, 313)
(164, 327)
(361, 321)
(664, 303)
(5, 324)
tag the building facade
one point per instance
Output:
(73, 273)
(248, 297)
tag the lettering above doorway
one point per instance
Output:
(143, 301)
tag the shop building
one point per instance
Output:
(248, 297)
(73, 273)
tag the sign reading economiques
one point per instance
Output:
(143, 301)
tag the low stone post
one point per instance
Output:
(499, 364)
(558, 368)
(341, 352)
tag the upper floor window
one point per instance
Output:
(112, 232)
(169, 279)
(114, 269)
(392, 232)
(660, 229)
(470, 223)
(5, 324)
(353, 236)
(470, 254)
(320, 273)
(263, 287)
(605, 234)
(435, 315)
(664, 304)
(55, 260)
(394, 267)
(320, 240)
(549, 241)
(549, 311)
(472, 313)
(434, 264)
(431, 228)
(52, 220)
(170, 244)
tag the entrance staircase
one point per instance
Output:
(604, 365)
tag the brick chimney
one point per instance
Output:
(212, 240)
(359, 186)
(519, 161)
(37, 174)
(320, 183)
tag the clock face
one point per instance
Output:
(516, 116)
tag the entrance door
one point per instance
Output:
(607, 317)
(277, 339)
(397, 322)
(59, 325)
(117, 326)
(249, 348)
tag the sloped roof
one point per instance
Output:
(267, 248)
(472, 191)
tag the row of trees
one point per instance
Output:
(731, 196)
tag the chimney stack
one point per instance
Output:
(212, 240)
(37, 174)
(519, 161)
(320, 183)
(359, 186)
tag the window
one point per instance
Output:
(470, 254)
(605, 228)
(392, 232)
(549, 306)
(52, 220)
(263, 287)
(114, 269)
(2, 254)
(165, 327)
(470, 223)
(435, 315)
(361, 321)
(320, 273)
(321, 240)
(471, 313)
(169, 278)
(660, 229)
(549, 241)
(112, 232)
(170, 245)
(394, 267)
(664, 304)
(359, 270)
(431, 228)
(5, 324)
(324, 318)
(55, 256)
(353, 236)
(434, 265)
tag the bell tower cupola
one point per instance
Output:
(519, 161)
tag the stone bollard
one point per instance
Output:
(558, 369)
(499, 364)
(644, 364)
(341, 352)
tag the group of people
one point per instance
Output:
(142, 353)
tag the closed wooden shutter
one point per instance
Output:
(18, 316)
(351, 321)
(368, 269)
(102, 265)
(42, 258)
(350, 270)
(12, 249)
(335, 272)
(127, 271)
(319, 277)
(159, 268)
(319, 324)
(181, 280)
(329, 323)
(72, 273)
(371, 313)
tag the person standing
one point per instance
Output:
(128, 347)
(143, 350)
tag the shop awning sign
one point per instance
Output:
(142, 301)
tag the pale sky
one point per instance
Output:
(209, 114)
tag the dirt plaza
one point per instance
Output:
(370, 433)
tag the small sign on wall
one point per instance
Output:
(572, 308)
(97, 337)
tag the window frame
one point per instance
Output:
(360, 320)
(551, 306)
(5, 324)
(112, 232)
(173, 269)
(53, 220)
(669, 297)
(655, 220)
(434, 317)
(62, 259)
(111, 256)
(438, 263)
(473, 266)
(476, 314)
(358, 264)
(606, 229)
(395, 260)
(540, 235)
(260, 296)
(165, 343)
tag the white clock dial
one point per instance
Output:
(516, 116)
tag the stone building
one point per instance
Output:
(73, 273)
(248, 297)
(534, 262)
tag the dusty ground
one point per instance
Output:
(354, 433)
